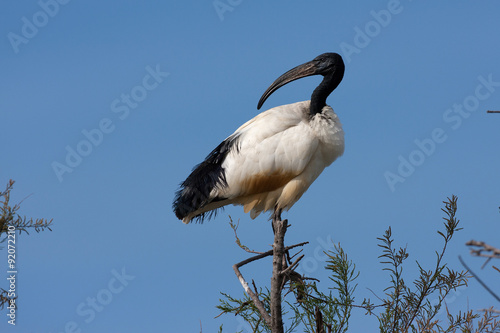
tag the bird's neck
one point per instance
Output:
(325, 88)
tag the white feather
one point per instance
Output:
(280, 142)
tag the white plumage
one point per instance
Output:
(278, 155)
(266, 164)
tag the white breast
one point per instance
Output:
(279, 154)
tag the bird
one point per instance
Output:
(270, 161)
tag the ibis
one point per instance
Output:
(269, 162)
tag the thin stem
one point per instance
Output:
(478, 279)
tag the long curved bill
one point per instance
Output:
(307, 69)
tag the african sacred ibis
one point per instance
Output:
(271, 160)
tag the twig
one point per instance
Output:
(486, 263)
(289, 257)
(451, 224)
(310, 278)
(490, 111)
(254, 287)
(298, 244)
(490, 310)
(266, 254)
(292, 266)
(235, 227)
(478, 279)
(483, 247)
(380, 299)
(253, 296)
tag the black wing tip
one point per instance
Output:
(185, 202)
(188, 200)
(194, 192)
(182, 209)
(206, 216)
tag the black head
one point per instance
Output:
(329, 65)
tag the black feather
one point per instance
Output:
(194, 192)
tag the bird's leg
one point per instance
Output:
(275, 217)
(277, 214)
(277, 222)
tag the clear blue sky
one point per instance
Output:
(143, 91)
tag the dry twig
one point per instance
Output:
(478, 279)
(253, 295)
(492, 252)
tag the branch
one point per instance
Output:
(266, 254)
(253, 296)
(292, 266)
(319, 321)
(429, 281)
(279, 227)
(478, 279)
(235, 227)
(258, 304)
(490, 310)
(483, 247)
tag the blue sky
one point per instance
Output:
(143, 91)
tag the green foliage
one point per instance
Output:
(246, 309)
(406, 307)
(335, 308)
(302, 311)
(408, 310)
(9, 218)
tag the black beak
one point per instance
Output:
(307, 69)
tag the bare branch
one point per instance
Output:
(279, 227)
(478, 279)
(319, 321)
(490, 310)
(483, 247)
(266, 254)
(292, 266)
(253, 296)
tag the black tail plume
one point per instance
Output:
(194, 192)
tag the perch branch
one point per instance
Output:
(279, 227)
(253, 296)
